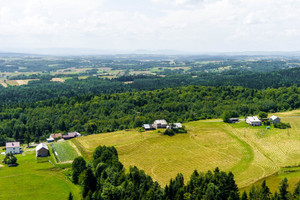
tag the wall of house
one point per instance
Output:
(13, 150)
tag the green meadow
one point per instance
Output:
(66, 151)
(32, 180)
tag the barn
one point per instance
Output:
(42, 150)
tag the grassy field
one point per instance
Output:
(251, 153)
(66, 151)
(32, 180)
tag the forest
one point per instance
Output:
(106, 178)
(45, 89)
(90, 114)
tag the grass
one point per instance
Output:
(251, 153)
(32, 180)
(66, 151)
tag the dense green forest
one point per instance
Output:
(45, 89)
(108, 112)
(106, 179)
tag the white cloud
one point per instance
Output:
(192, 25)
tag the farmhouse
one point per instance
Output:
(13, 147)
(148, 127)
(161, 123)
(274, 119)
(42, 150)
(71, 135)
(253, 121)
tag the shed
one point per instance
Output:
(148, 127)
(177, 125)
(50, 139)
(274, 119)
(56, 135)
(233, 120)
(42, 150)
(160, 123)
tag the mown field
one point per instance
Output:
(66, 151)
(32, 180)
(251, 153)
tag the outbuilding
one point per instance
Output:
(233, 120)
(42, 150)
(274, 119)
(13, 147)
(148, 127)
(50, 139)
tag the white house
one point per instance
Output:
(274, 119)
(13, 147)
(161, 123)
(42, 150)
(253, 121)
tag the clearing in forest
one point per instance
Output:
(251, 153)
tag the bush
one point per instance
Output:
(282, 125)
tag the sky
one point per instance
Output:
(185, 25)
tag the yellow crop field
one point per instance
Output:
(251, 153)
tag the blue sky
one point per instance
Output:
(186, 25)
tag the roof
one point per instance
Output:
(56, 135)
(273, 117)
(160, 121)
(253, 119)
(71, 135)
(177, 125)
(40, 146)
(147, 126)
(12, 144)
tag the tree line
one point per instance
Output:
(90, 114)
(106, 179)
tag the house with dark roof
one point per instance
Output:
(71, 135)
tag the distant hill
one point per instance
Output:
(14, 54)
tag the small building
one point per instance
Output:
(274, 119)
(233, 120)
(56, 135)
(161, 123)
(13, 147)
(176, 125)
(148, 127)
(42, 150)
(50, 139)
(71, 135)
(253, 121)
